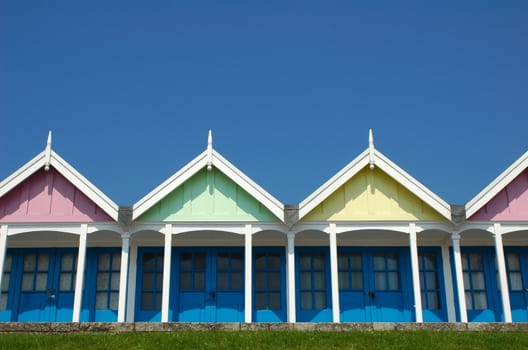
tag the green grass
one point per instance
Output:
(267, 340)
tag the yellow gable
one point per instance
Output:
(372, 195)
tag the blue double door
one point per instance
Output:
(207, 285)
(374, 285)
(38, 285)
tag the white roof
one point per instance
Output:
(208, 158)
(373, 157)
(48, 158)
(497, 185)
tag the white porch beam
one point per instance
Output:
(248, 278)
(448, 284)
(166, 274)
(3, 248)
(334, 274)
(123, 277)
(503, 277)
(291, 277)
(459, 274)
(415, 269)
(79, 280)
(132, 273)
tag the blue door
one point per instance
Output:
(46, 285)
(432, 285)
(269, 299)
(210, 285)
(517, 267)
(313, 281)
(101, 295)
(374, 285)
(149, 284)
(480, 284)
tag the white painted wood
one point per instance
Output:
(123, 277)
(47, 160)
(166, 274)
(291, 278)
(334, 276)
(415, 271)
(448, 284)
(210, 151)
(132, 273)
(371, 150)
(248, 278)
(79, 279)
(3, 248)
(503, 277)
(459, 274)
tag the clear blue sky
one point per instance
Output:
(290, 89)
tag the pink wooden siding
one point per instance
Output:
(48, 196)
(510, 204)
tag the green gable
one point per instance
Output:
(208, 196)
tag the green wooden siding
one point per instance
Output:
(208, 196)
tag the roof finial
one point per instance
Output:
(48, 153)
(371, 149)
(210, 151)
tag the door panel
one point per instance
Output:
(517, 268)
(149, 284)
(269, 303)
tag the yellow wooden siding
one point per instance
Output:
(372, 195)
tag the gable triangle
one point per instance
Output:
(208, 196)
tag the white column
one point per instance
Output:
(459, 274)
(166, 274)
(291, 278)
(123, 277)
(448, 284)
(415, 270)
(248, 278)
(3, 247)
(81, 260)
(132, 273)
(334, 274)
(503, 277)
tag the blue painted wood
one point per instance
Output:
(489, 308)
(431, 312)
(313, 284)
(374, 285)
(91, 312)
(149, 284)
(208, 284)
(518, 288)
(41, 295)
(269, 284)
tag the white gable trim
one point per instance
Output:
(497, 185)
(373, 156)
(197, 164)
(66, 170)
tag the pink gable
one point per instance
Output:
(510, 204)
(48, 196)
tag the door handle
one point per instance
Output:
(212, 294)
(371, 294)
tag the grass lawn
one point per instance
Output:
(255, 340)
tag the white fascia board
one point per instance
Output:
(85, 186)
(413, 185)
(335, 182)
(169, 185)
(22, 173)
(497, 185)
(251, 187)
